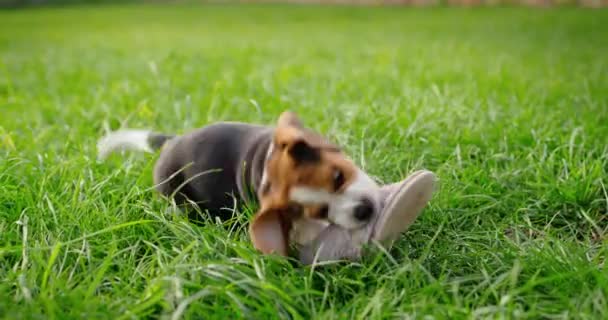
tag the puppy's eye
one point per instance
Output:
(323, 212)
(338, 179)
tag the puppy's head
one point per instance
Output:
(307, 177)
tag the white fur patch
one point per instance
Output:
(306, 195)
(135, 140)
(341, 205)
(264, 173)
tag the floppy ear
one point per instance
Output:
(290, 119)
(269, 231)
(296, 144)
(300, 151)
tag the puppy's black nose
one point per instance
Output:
(364, 210)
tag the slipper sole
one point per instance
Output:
(405, 205)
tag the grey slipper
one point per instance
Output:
(404, 201)
(403, 205)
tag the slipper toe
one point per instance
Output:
(404, 205)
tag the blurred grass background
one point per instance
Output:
(507, 105)
(468, 3)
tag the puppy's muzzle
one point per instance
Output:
(364, 211)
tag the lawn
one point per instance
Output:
(509, 107)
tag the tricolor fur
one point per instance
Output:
(299, 179)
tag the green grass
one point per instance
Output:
(508, 106)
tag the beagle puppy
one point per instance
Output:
(300, 181)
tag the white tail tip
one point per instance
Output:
(122, 140)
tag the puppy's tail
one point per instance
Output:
(132, 140)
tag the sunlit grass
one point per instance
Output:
(507, 106)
